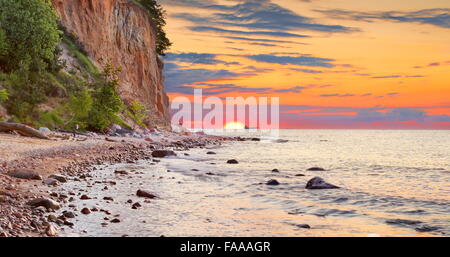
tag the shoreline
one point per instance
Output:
(72, 158)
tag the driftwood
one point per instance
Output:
(24, 130)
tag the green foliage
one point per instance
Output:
(26, 89)
(3, 43)
(30, 34)
(158, 17)
(107, 103)
(87, 67)
(3, 95)
(79, 106)
(138, 112)
(50, 119)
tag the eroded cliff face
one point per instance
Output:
(120, 31)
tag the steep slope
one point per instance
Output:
(121, 32)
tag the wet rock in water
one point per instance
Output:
(51, 231)
(163, 153)
(210, 174)
(25, 174)
(256, 139)
(121, 172)
(136, 205)
(85, 211)
(47, 203)
(300, 175)
(233, 161)
(60, 178)
(108, 198)
(303, 226)
(316, 169)
(403, 222)
(427, 228)
(276, 171)
(85, 197)
(115, 221)
(146, 194)
(273, 182)
(50, 182)
(319, 183)
(210, 153)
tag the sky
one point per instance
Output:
(373, 64)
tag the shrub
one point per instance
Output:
(30, 33)
(158, 17)
(107, 103)
(3, 95)
(138, 112)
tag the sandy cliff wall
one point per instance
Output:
(120, 31)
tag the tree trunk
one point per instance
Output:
(24, 130)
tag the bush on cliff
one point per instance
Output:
(3, 95)
(158, 17)
(30, 34)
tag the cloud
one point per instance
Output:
(438, 17)
(293, 60)
(240, 32)
(255, 14)
(387, 77)
(195, 58)
(177, 76)
(433, 64)
(297, 89)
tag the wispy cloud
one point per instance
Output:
(293, 60)
(438, 17)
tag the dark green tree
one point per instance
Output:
(29, 34)
(158, 17)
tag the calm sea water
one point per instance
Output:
(393, 183)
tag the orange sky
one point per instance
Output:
(365, 55)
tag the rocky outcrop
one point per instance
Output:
(121, 32)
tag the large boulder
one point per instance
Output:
(47, 203)
(60, 178)
(163, 153)
(319, 183)
(25, 174)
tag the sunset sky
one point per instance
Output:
(333, 63)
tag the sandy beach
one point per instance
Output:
(67, 158)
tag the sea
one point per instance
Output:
(392, 183)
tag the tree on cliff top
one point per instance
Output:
(158, 17)
(28, 34)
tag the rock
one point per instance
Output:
(146, 194)
(316, 169)
(136, 205)
(210, 153)
(52, 218)
(50, 182)
(319, 183)
(85, 197)
(300, 175)
(44, 130)
(272, 182)
(256, 139)
(233, 161)
(108, 198)
(121, 172)
(303, 226)
(47, 203)
(60, 178)
(51, 231)
(115, 221)
(69, 215)
(2, 198)
(25, 174)
(275, 171)
(427, 228)
(85, 211)
(163, 153)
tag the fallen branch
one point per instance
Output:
(24, 130)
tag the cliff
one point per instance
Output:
(121, 32)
